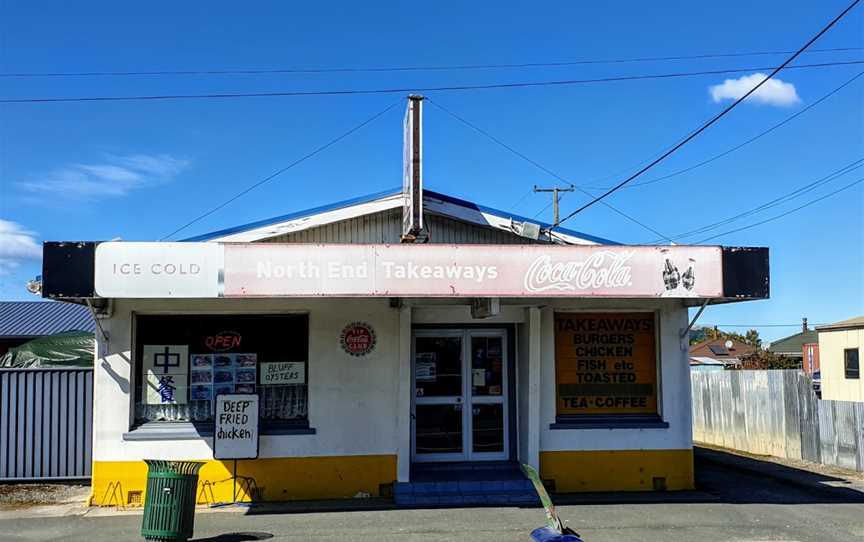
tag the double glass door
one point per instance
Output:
(460, 395)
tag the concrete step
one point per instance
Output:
(486, 492)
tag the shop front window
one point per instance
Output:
(184, 362)
(605, 367)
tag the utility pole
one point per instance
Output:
(555, 190)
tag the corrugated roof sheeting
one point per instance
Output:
(386, 227)
(38, 318)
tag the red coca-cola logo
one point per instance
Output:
(222, 341)
(357, 338)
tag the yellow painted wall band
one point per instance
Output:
(618, 470)
(123, 483)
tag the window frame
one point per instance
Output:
(145, 430)
(617, 420)
(857, 370)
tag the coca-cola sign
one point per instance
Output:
(357, 338)
(602, 269)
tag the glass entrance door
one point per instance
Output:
(460, 395)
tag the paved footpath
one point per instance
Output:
(735, 502)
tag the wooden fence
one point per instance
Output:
(776, 413)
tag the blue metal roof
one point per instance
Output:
(378, 195)
(40, 318)
(294, 215)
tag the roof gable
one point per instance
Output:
(435, 203)
(793, 344)
(717, 349)
(855, 322)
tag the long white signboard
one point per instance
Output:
(298, 270)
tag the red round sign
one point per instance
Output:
(358, 338)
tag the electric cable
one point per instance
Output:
(536, 164)
(283, 170)
(781, 215)
(857, 164)
(713, 120)
(457, 67)
(740, 145)
(404, 90)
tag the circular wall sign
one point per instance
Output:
(357, 338)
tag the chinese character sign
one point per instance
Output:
(166, 374)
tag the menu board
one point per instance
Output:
(605, 363)
(214, 374)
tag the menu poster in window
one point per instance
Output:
(212, 374)
(605, 363)
(277, 373)
(425, 367)
(166, 373)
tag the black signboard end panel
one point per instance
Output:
(746, 273)
(68, 269)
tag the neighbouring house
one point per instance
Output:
(23, 321)
(840, 346)
(717, 354)
(802, 347)
(46, 414)
(407, 343)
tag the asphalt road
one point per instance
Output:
(730, 505)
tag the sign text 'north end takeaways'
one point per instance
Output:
(235, 435)
(271, 269)
(605, 363)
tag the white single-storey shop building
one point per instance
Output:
(375, 359)
(406, 344)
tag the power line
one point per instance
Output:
(781, 215)
(713, 120)
(520, 200)
(283, 170)
(536, 164)
(457, 67)
(403, 90)
(716, 156)
(740, 145)
(775, 202)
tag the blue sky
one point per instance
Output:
(138, 170)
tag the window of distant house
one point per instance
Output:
(851, 363)
(184, 362)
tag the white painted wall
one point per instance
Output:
(355, 403)
(674, 383)
(352, 400)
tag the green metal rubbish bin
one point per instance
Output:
(169, 505)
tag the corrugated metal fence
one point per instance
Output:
(776, 413)
(46, 423)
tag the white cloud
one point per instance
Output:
(773, 92)
(116, 176)
(16, 245)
